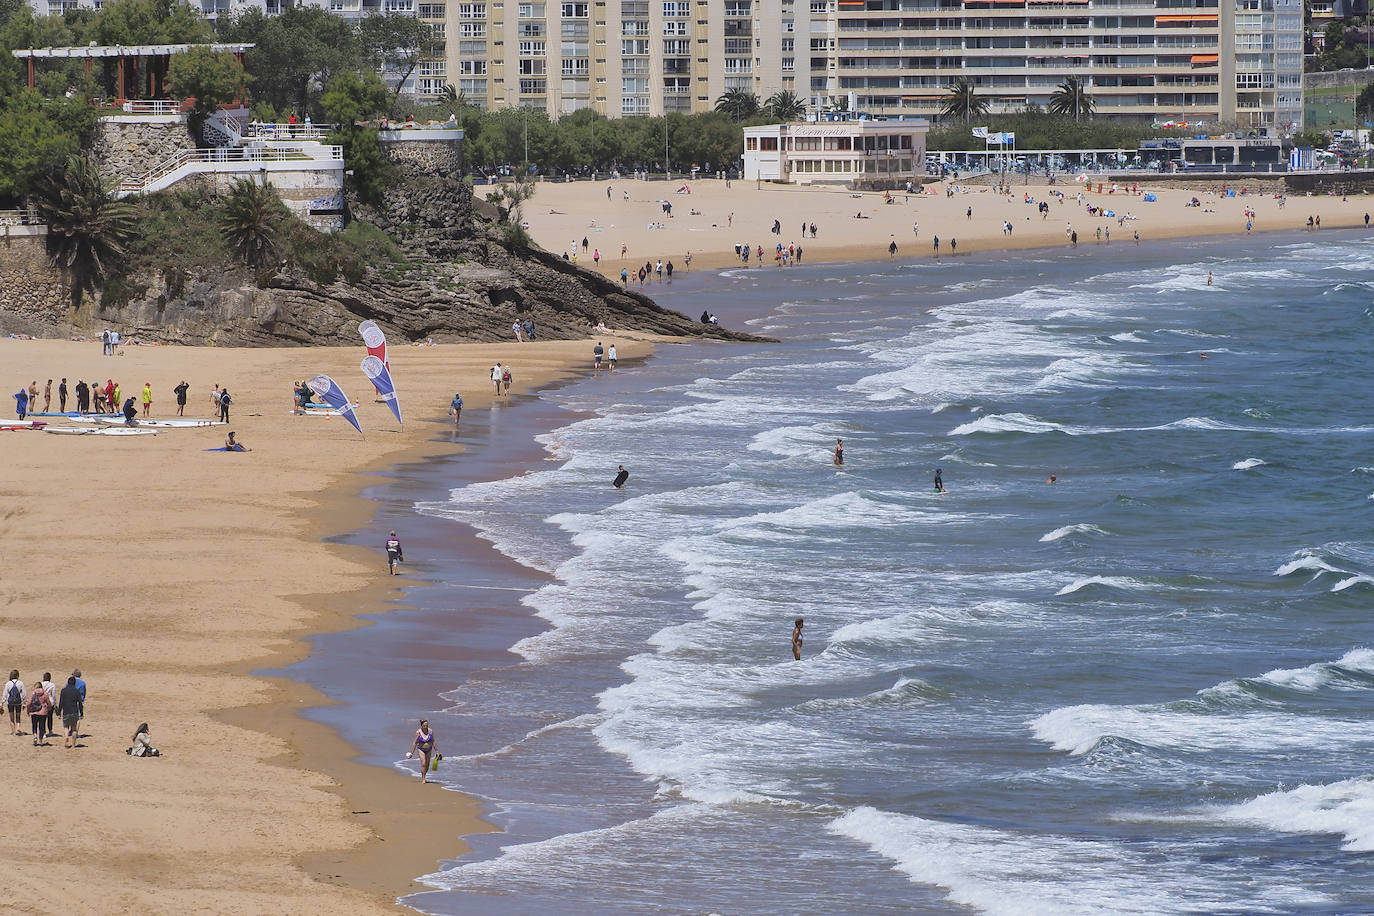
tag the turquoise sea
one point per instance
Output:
(1146, 687)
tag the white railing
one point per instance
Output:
(151, 106)
(25, 217)
(212, 160)
(268, 131)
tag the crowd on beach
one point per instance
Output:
(111, 398)
(45, 703)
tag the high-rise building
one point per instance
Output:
(1214, 61)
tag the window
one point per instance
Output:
(788, 25)
(473, 87)
(472, 11)
(789, 45)
(630, 106)
(531, 66)
(789, 64)
(631, 47)
(676, 46)
(431, 11)
(736, 46)
(531, 49)
(533, 87)
(675, 27)
(634, 85)
(472, 29)
(574, 11)
(738, 65)
(677, 85)
(676, 8)
(737, 7)
(576, 66)
(530, 11)
(472, 68)
(632, 27)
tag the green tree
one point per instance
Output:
(738, 104)
(509, 199)
(88, 231)
(149, 22)
(785, 106)
(1071, 98)
(251, 222)
(396, 43)
(209, 77)
(963, 101)
(349, 99)
(296, 54)
(38, 136)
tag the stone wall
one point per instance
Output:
(126, 147)
(314, 195)
(35, 297)
(426, 150)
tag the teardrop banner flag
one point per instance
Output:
(329, 392)
(380, 377)
(375, 341)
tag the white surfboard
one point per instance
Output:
(170, 423)
(98, 431)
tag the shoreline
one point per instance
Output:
(224, 569)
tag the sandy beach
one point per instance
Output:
(168, 574)
(713, 218)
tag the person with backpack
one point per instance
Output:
(39, 706)
(224, 402)
(506, 379)
(14, 702)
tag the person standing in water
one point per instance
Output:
(797, 639)
(424, 746)
(393, 552)
(839, 452)
(939, 480)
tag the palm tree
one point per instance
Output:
(963, 101)
(1071, 98)
(251, 221)
(87, 229)
(785, 106)
(738, 104)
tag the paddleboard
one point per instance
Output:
(170, 423)
(89, 431)
(22, 425)
(327, 414)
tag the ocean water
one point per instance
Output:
(1145, 688)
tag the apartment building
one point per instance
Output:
(1230, 61)
(627, 57)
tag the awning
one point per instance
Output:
(1211, 18)
(1206, 58)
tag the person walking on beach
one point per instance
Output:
(455, 407)
(597, 353)
(937, 247)
(224, 401)
(39, 706)
(14, 702)
(506, 379)
(424, 746)
(21, 403)
(180, 392)
(69, 708)
(496, 378)
(51, 690)
(892, 249)
(839, 452)
(393, 553)
(797, 639)
(610, 357)
(81, 688)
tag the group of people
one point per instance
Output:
(598, 352)
(92, 397)
(523, 330)
(43, 703)
(649, 271)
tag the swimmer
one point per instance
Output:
(1052, 479)
(797, 639)
(1209, 278)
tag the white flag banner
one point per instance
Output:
(981, 133)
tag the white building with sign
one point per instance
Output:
(877, 154)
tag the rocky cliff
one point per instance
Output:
(462, 280)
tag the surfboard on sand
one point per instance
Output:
(169, 423)
(95, 431)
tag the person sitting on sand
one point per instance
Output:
(142, 745)
(233, 445)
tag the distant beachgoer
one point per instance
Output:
(180, 392)
(232, 444)
(1209, 278)
(38, 706)
(62, 396)
(214, 399)
(1073, 238)
(529, 329)
(1366, 220)
(424, 746)
(916, 230)
(892, 249)
(1136, 235)
(14, 702)
(597, 353)
(455, 407)
(969, 213)
(141, 745)
(624, 277)
(596, 257)
(953, 246)
(224, 401)
(687, 259)
(496, 378)
(623, 250)
(130, 411)
(669, 268)
(147, 399)
(1053, 478)
(47, 396)
(518, 331)
(813, 230)
(608, 192)
(797, 638)
(621, 476)
(937, 246)
(839, 452)
(33, 394)
(939, 480)
(69, 708)
(610, 357)
(505, 379)
(394, 554)
(21, 403)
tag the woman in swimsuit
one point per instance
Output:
(424, 746)
(839, 452)
(797, 639)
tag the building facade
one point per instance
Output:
(877, 154)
